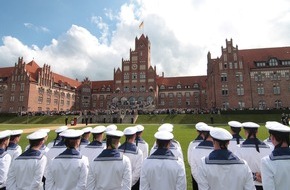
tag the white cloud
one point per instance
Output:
(36, 28)
(181, 34)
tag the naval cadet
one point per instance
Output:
(44, 149)
(135, 155)
(162, 169)
(235, 128)
(58, 137)
(253, 150)
(13, 148)
(140, 142)
(275, 167)
(85, 140)
(111, 169)
(27, 170)
(5, 158)
(93, 149)
(221, 169)
(68, 170)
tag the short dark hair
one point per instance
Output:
(35, 142)
(162, 143)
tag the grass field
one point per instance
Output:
(184, 133)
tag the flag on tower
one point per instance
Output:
(141, 25)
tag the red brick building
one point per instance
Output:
(238, 79)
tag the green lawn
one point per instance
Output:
(184, 133)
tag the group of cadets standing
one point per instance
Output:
(218, 159)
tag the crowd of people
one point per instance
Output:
(219, 159)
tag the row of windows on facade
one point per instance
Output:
(178, 103)
(179, 86)
(261, 105)
(20, 108)
(273, 62)
(134, 76)
(257, 77)
(231, 65)
(260, 90)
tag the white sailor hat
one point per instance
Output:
(71, 133)
(166, 127)
(250, 125)
(199, 125)
(205, 128)
(4, 134)
(98, 129)
(111, 127)
(130, 131)
(276, 126)
(235, 124)
(220, 134)
(43, 130)
(87, 129)
(16, 132)
(61, 129)
(114, 133)
(163, 135)
(37, 135)
(139, 128)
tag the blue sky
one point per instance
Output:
(89, 38)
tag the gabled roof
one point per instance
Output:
(32, 68)
(98, 85)
(249, 56)
(6, 71)
(60, 78)
(184, 80)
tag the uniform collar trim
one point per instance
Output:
(281, 153)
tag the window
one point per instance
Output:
(12, 98)
(241, 105)
(187, 94)
(261, 90)
(134, 76)
(170, 95)
(134, 89)
(226, 105)
(239, 77)
(275, 76)
(162, 95)
(1, 98)
(224, 77)
(276, 90)
(40, 99)
(278, 104)
(262, 105)
(22, 87)
(178, 86)
(196, 86)
(13, 87)
(126, 89)
(273, 62)
(162, 87)
(142, 75)
(48, 100)
(224, 91)
(21, 98)
(240, 90)
(142, 89)
(55, 102)
(126, 76)
(179, 95)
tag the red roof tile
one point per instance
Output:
(32, 68)
(60, 78)
(186, 80)
(6, 71)
(97, 85)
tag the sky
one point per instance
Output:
(89, 38)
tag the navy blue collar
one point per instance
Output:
(139, 139)
(31, 154)
(198, 138)
(281, 153)
(2, 151)
(61, 143)
(69, 153)
(235, 136)
(84, 141)
(128, 147)
(205, 144)
(251, 141)
(12, 145)
(96, 143)
(222, 156)
(110, 153)
(162, 153)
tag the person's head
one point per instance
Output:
(87, 133)
(140, 129)
(113, 138)
(130, 134)
(46, 131)
(72, 138)
(205, 129)
(279, 134)
(15, 136)
(4, 138)
(98, 133)
(163, 139)
(221, 138)
(251, 129)
(166, 127)
(36, 139)
(198, 127)
(60, 130)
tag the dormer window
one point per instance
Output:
(273, 62)
(178, 86)
(162, 87)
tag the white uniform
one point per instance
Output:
(110, 170)
(176, 150)
(191, 145)
(144, 147)
(269, 143)
(44, 149)
(275, 170)
(201, 150)
(248, 152)
(69, 170)
(54, 142)
(229, 172)
(55, 151)
(83, 144)
(5, 161)
(92, 150)
(163, 170)
(136, 159)
(26, 171)
(233, 145)
(14, 150)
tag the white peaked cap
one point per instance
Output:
(205, 128)
(139, 128)
(130, 131)
(166, 127)
(250, 125)
(115, 133)
(87, 129)
(4, 134)
(220, 134)
(199, 125)
(16, 132)
(98, 129)
(235, 124)
(276, 126)
(111, 127)
(163, 135)
(43, 130)
(71, 133)
(61, 129)
(37, 135)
